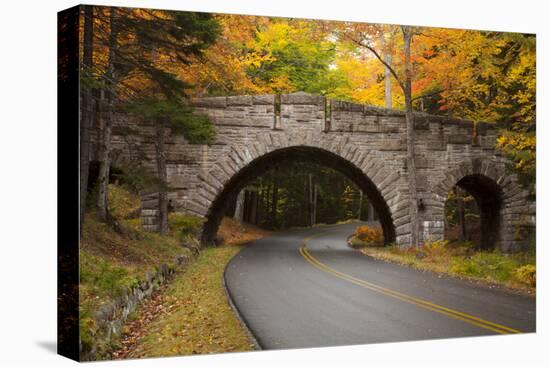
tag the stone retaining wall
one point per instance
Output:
(110, 318)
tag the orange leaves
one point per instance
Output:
(368, 234)
(223, 69)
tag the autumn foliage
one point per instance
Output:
(371, 235)
(476, 75)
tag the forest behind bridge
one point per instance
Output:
(152, 62)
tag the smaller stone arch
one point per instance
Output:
(503, 202)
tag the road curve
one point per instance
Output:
(307, 288)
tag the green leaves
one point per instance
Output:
(176, 115)
(520, 148)
(197, 129)
(294, 56)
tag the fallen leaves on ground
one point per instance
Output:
(190, 315)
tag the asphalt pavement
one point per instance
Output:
(307, 288)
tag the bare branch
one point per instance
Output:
(377, 55)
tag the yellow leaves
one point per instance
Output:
(363, 84)
(256, 59)
(190, 316)
(517, 141)
(521, 148)
(277, 35)
(280, 84)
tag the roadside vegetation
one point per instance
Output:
(115, 258)
(191, 315)
(456, 258)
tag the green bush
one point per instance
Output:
(87, 328)
(487, 265)
(184, 224)
(435, 248)
(104, 278)
(466, 267)
(527, 274)
(122, 203)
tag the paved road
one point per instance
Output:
(327, 294)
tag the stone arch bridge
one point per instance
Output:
(367, 144)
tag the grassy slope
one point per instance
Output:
(192, 315)
(515, 271)
(197, 317)
(111, 262)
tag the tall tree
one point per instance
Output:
(175, 116)
(274, 202)
(183, 35)
(364, 39)
(409, 116)
(87, 107)
(387, 38)
(239, 206)
(294, 55)
(106, 112)
(360, 204)
(144, 50)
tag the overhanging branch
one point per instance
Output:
(377, 55)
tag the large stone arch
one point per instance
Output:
(503, 202)
(221, 183)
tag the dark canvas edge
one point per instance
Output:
(68, 153)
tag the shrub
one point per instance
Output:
(184, 224)
(357, 243)
(487, 265)
(105, 278)
(123, 204)
(527, 274)
(498, 266)
(369, 235)
(435, 248)
(466, 267)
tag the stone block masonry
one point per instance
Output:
(366, 143)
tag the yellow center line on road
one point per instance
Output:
(473, 320)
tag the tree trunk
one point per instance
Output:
(310, 201)
(266, 204)
(239, 207)
(86, 112)
(307, 220)
(107, 117)
(104, 158)
(387, 73)
(256, 203)
(360, 204)
(409, 116)
(246, 206)
(274, 200)
(314, 214)
(161, 172)
(370, 213)
(462, 235)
